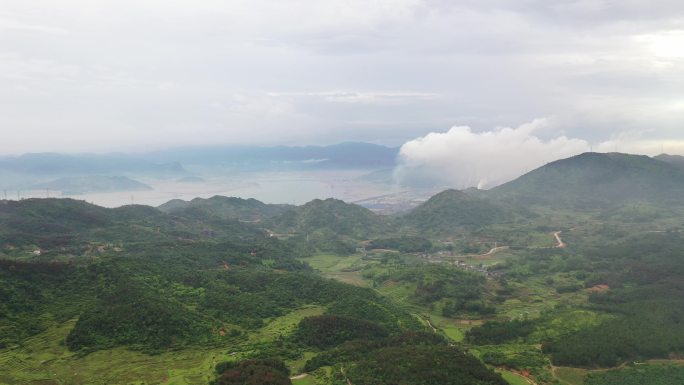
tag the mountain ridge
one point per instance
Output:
(594, 179)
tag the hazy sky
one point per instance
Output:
(93, 76)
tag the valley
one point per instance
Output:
(503, 286)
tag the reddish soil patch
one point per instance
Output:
(598, 289)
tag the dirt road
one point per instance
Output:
(559, 242)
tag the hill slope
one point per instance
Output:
(57, 223)
(594, 180)
(452, 209)
(675, 160)
(224, 207)
(331, 216)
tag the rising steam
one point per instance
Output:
(461, 158)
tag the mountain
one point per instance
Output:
(86, 164)
(593, 180)
(338, 156)
(675, 160)
(331, 216)
(451, 209)
(53, 224)
(95, 183)
(249, 210)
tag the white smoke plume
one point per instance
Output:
(461, 158)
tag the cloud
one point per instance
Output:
(173, 71)
(9, 24)
(462, 158)
(388, 97)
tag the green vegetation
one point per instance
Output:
(405, 244)
(513, 379)
(142, 295)
(264, 371)
(408, 358)
(451, 209)
(225, 208)
(453, 290)
(646, 374)
(428, 365)
(329, 330)
(645, 300)
(499, 332)
(594, 180)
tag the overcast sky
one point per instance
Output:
(97, 76)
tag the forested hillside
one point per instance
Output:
(593, 180)
(468, 288)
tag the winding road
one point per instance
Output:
(493, 251)
(560, 244)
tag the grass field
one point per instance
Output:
(44, 359)
(343, 269)
(512, 378)
(570, 376)
(454, 329)
(284, 325)
(331, 262)
(307, 380)
(577, 376)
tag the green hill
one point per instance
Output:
(249, 210)
(333, 216)
(594, 180)
(53, 224)
(453, 209)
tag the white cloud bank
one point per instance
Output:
(461, 158)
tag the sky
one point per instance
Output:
(563, 76)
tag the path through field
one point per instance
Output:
(434, 329)
(299, 376)
(493, 251)
(560, 244)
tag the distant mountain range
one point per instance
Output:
(86, 164)
(92, 183)
(343, 155)
(190, 163)
(171, 162)
(588, 181)
(584, 181)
